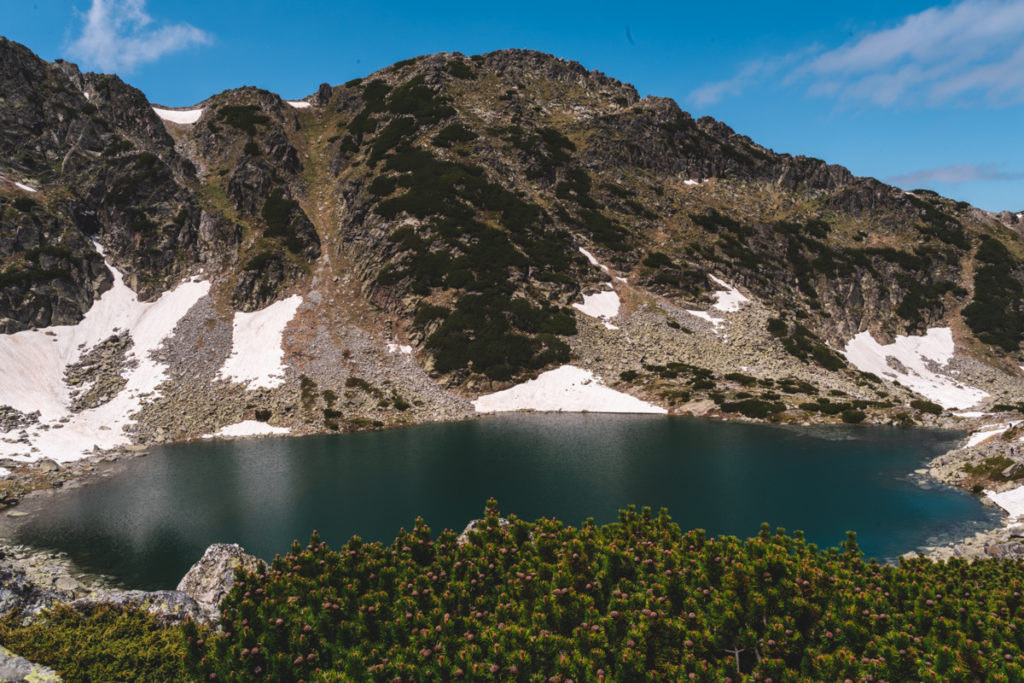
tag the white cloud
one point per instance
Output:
(965, 50)
(118, 36)
(960, 173)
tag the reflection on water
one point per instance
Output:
(149, 523)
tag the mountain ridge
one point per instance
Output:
(451, 223)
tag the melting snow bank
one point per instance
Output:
(601, 305)
(248, 428)
(298, 104)
(33, 362)
(729, 300)
(1012, 501)
(399, 348)
(187, 116)
(917, 356)
(567, 389)
(984, 435)
(257, 357)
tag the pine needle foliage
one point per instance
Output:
(634, 600)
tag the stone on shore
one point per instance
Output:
(209, 579)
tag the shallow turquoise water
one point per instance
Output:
(147, 525)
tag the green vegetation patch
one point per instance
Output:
(103, 644)
(244, 117)
(635, 600)
(926, 406)
(996, 315)
(489, 331)
(453, 134)
(281, 216)
(753, 407)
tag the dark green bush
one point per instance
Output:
(777, 327)
(656, 259)
(460, 69)
(251, 148)
(25, 204)
(852, 416)
(753, 407)
(244, 117)
(635, 600)
(628, 375)
(926, 406)
(739, 377)
(453, 134)
(263, 415)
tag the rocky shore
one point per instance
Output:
(32, 581)
(992, 465)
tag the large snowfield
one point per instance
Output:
(919, 356)
(32, 365)
(565, 389)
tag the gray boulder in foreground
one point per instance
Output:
(15, 669)
(17, 592)
(209, 579)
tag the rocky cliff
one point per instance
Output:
(386, 250)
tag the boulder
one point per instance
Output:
(476, 525)
(1006, 551)
(209, 579)
(15, 669)
(17, 592)
(169, 607)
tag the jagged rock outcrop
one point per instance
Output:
(209, 579)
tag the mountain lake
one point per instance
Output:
(150, 521)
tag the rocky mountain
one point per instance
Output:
(385, 251)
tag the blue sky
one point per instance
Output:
(913, 93)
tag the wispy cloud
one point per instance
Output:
(119, 35)
(969, 49)
(961, 173)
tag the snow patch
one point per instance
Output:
(971, 414)
(565, 389)
(704, 315)
(729, 300)
(32, 365)
(691, 181)
(984, 435)
(918, 355)
(609, 326)
(399, 348)
(25, 187)
(248, 428)
(594, 261)
(257, 357)
(1012, 501)
(590, 257)
(4, 472)
(186, 116)
(298, 104)
(602, 305)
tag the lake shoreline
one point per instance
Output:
(49, 484)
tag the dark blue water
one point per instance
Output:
(147, 525)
